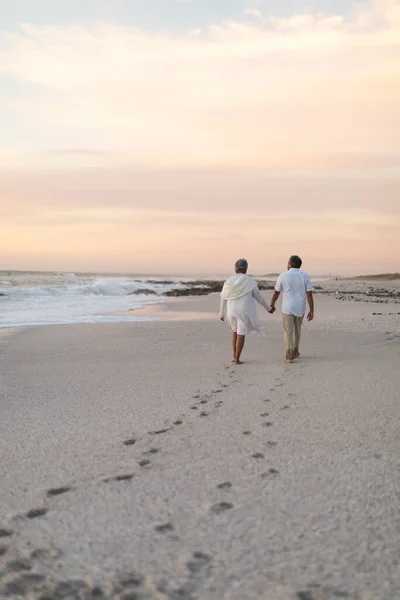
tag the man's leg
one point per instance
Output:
(234, 339)
(298, 321)
(288, 326)
(239, 347)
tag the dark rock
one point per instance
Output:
(187, 292)
(143, 291)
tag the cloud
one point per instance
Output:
(253, 12)
(166, 147)
(235, 94)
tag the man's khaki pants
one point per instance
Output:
(292, 327)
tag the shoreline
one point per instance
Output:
(185, 303)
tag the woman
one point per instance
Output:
(238, 304)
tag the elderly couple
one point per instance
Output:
(238, 305)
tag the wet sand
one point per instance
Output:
(138, 462)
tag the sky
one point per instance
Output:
(175, 136)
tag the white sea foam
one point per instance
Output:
(38, 299)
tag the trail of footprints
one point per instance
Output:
(19, 578)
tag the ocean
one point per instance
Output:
(63, 298)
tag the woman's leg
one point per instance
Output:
(234, 338)
(239, 347)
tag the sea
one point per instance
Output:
(32, 298)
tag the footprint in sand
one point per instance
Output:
(126, 477)
(151, 451)
(221, 507)
(164, 528)
(246, 432)
(272, 444)
(19, 565)
(272, 389)
(203, 402)
(203, 414)
(270, 473)
(257, 455)
(267, 424)
(196, 396)
(6, 533)
(144, 462)
(224, 486)
(285, 407)
(268, 400)
(36, 512)
(193, 408)
(198, 562)
(58, 491)
(264, 415)
(291, 395)
(130, 442)
(158, 431)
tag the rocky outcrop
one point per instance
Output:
(205, 287)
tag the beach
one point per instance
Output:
(138, 463)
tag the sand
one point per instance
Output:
(137, 462)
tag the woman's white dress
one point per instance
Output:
(238, 303)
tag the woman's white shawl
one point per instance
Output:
(237, 286)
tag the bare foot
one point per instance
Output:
(238, 362)
(288, 360)
(234, 359)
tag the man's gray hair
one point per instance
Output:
(241, 265)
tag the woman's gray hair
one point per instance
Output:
(241, 265)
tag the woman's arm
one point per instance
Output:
(222, 310)
(257, 296)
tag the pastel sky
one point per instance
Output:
(179, 135)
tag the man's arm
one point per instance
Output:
(310, 300)
(274, 298)
(222, 310)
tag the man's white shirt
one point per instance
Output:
(294, 284)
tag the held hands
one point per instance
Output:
(272, 309)
(222, 318)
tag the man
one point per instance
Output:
(297, 288)
(238, 298)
